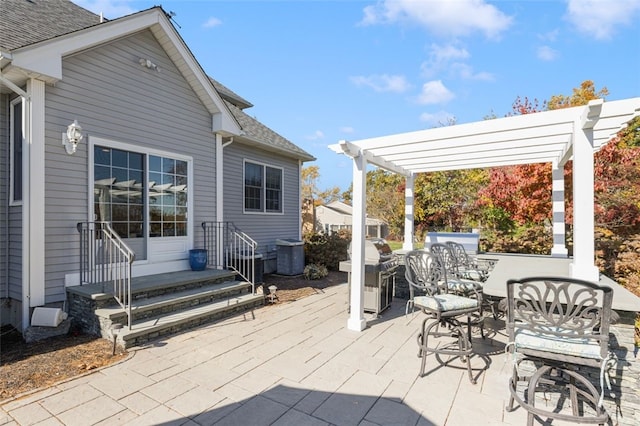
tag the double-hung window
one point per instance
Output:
(17, 136)
(262, 188)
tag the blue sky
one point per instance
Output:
(322, 71)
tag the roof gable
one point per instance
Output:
(43, 60)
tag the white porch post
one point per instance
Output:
(356, 320)
(408, 213)
(33, 280)
(559, 248)
(583, 265)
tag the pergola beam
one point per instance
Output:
(354, 151)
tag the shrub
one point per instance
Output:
(315, 272)
(532, 240)
(327, 250)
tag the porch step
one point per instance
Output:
(151, 329)
(160, 305)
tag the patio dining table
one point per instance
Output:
(510, 266)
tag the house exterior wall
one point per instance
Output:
(12, 217)
(115, 98)
(4, 196)
(10, 228)
(265, 228)
(327, 216)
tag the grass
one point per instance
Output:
(397, 245)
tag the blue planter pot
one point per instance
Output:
(198, 259)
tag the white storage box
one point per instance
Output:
(47, 317)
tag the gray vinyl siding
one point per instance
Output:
(4, 195)
(10, 217)
(265, 228)
(113, 97)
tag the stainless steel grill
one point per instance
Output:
(380, 266)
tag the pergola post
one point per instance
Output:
(583, 265)
(559, 248)
(356, 321)
(408, 213)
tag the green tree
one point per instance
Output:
(448, 199)
(385, 199)
(309, 191)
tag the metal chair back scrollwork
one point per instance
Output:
(559, 325)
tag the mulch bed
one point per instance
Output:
(28, 366)
(296, 287)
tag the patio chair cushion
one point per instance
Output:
(462, 285)
(445, 302)
(577, 346)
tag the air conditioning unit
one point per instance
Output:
(48, 317)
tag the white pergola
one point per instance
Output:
(546, 137)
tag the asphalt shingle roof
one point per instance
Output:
(24, 22)
(262, 134)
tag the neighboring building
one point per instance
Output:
(337, 215)
(164, 149)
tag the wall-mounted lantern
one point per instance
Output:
(72, 137)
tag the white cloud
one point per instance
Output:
(382, 82)
(212, 22)
(318, 134)
(347, 129)
(438, 119)
(599, 18)
(549, 35)
(445, 18)
(440, 56)
(434, 92)
(451, 59)
(110, 9)
(546, 53)
(466, 72)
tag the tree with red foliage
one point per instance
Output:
(524, 192)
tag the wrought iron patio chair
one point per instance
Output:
(447, 313)
(470, 267)
(560, 326)
(456, 281)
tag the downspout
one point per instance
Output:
(220, 187)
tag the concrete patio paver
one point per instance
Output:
(290, 364)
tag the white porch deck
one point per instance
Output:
(295, 364)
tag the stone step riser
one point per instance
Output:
(155, 333)
(145, 294)
(143, 314)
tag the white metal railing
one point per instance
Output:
(106, 259)
(229, 247)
